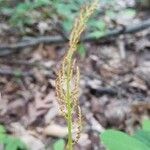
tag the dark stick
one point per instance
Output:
(59, 40)
(20, 73)
(15, 73)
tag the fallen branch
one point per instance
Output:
(22, 74)
(103, 91)
(15, 73)
(7, 49)
(37, 64)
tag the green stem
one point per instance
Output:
(69, 118)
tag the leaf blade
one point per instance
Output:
(116, 140)
(59, 145)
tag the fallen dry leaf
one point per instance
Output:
(143, 72)
(53, 110)
(95, 125)
(56, 131)
(40, 106)
(84, 140)
(3, 105)
(116, 112)
(138, 83)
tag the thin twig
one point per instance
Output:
(19, 73)
(8, 49)
(16, 62)
(15, 73)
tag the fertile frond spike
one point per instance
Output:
(79, 125)
(79, 26)
(68, 77)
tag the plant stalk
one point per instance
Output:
(69, 117)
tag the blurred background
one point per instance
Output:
(113, 55)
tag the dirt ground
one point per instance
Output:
(114, 87)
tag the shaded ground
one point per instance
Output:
(114, 85)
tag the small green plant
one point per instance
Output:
(117, 140)
(59, 145)
(67, 82)
(22, 13)
(10, 142)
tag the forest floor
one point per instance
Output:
(114, 87)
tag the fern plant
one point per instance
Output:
(67, 82)
(10, 142)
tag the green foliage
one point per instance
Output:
(17, 73)
(26, 13)
(59, 145)
(116, 140)
(2, 129)
(67, 11)
(146, 125)
(10, 142)
(98, 28)
(81, 50)
(30, 12)
(143, 136)
(128, 12)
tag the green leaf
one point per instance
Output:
(146, 125)
(81, 50)
(23, 7)
(111, 14)
(100, 24)
(2, 129)
(97, 34)
(59, 145)
(108, 1)
(39, 3)
(2, 138)
(6, 10)
(128, 12)
(17, 73)
(2, 134)
(63, 10)
(143, 136)
(116, 140)
(67, 25)
(13, 143)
